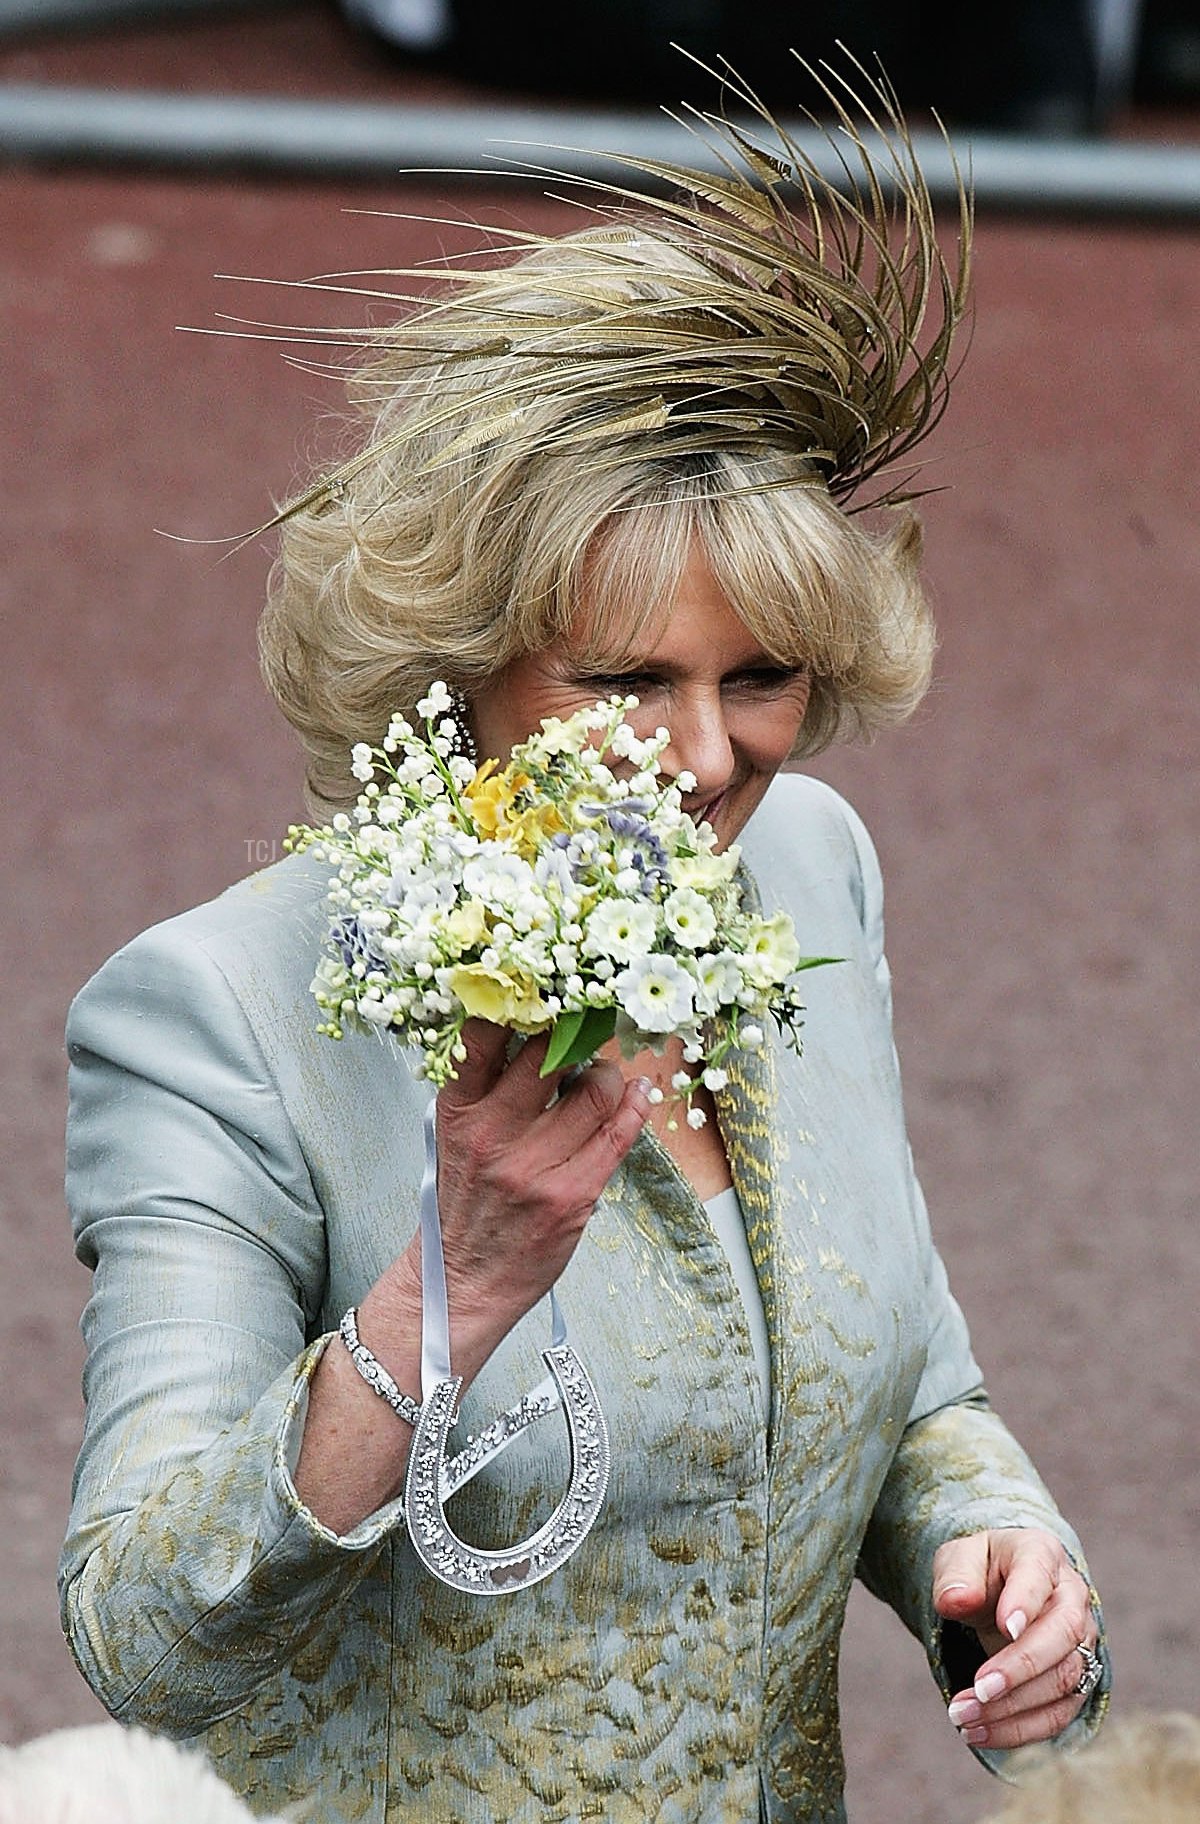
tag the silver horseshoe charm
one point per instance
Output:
(474, 1569)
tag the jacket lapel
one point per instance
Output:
(747, 1111)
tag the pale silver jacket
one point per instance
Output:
(237, 1181)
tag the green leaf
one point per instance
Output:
(818, 962)
(563, 1034)
(577, 1036)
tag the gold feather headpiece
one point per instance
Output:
(764, 305)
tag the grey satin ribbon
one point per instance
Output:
(435, 1333)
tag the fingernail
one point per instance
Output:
(975, 1738)
(1016, 1624)
(964, 1710)
(992, 1684)
(642, 1088)
(950, 1589)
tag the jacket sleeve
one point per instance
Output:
(957, 1469)
(191, 1569)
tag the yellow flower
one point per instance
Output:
(703, 871)
(490, 796)
(495, 995)
(467, 925)
(530, 830)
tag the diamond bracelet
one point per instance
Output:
(373, 1371)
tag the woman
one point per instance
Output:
(613, 464)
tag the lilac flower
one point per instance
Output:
(629, 821)
(356, 943)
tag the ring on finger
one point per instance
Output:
(1093, 1670)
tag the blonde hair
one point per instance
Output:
(106, 1774)
(1142, 1770)
(465, 533)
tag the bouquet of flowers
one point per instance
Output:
(565, 891)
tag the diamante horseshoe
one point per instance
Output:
(480, 1571)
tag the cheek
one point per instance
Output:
(509, 709)
(645, 722)
(769, 734)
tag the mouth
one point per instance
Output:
(708, 810)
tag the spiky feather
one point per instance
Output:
(811, 314)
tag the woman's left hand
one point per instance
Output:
(1030, 1608)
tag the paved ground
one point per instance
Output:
(1039, 825)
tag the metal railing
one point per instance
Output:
(317, 138)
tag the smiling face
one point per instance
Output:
(733, 711)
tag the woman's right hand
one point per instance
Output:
(520, 1168)
(522, 1160)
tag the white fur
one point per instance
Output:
(106, 1774)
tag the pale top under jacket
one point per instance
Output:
(237, 1181)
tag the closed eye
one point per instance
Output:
(622, 683)
(764, 678)
(768, 677)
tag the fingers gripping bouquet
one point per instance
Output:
(567, 891)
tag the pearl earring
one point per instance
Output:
(460, 710)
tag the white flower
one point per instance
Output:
(656, 992)
(496, 877)
(622, 929)
(415, 892)
(720, 981)
(556, 737)
(414, 767)
(624, 742)
(772, 953)
(714, 1078)
(750, 1036)
(689, 918)
(436, 703)
(330, 975)
(696, 1117)
(361, 762)
(681, 1080)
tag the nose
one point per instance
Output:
(701, 742)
